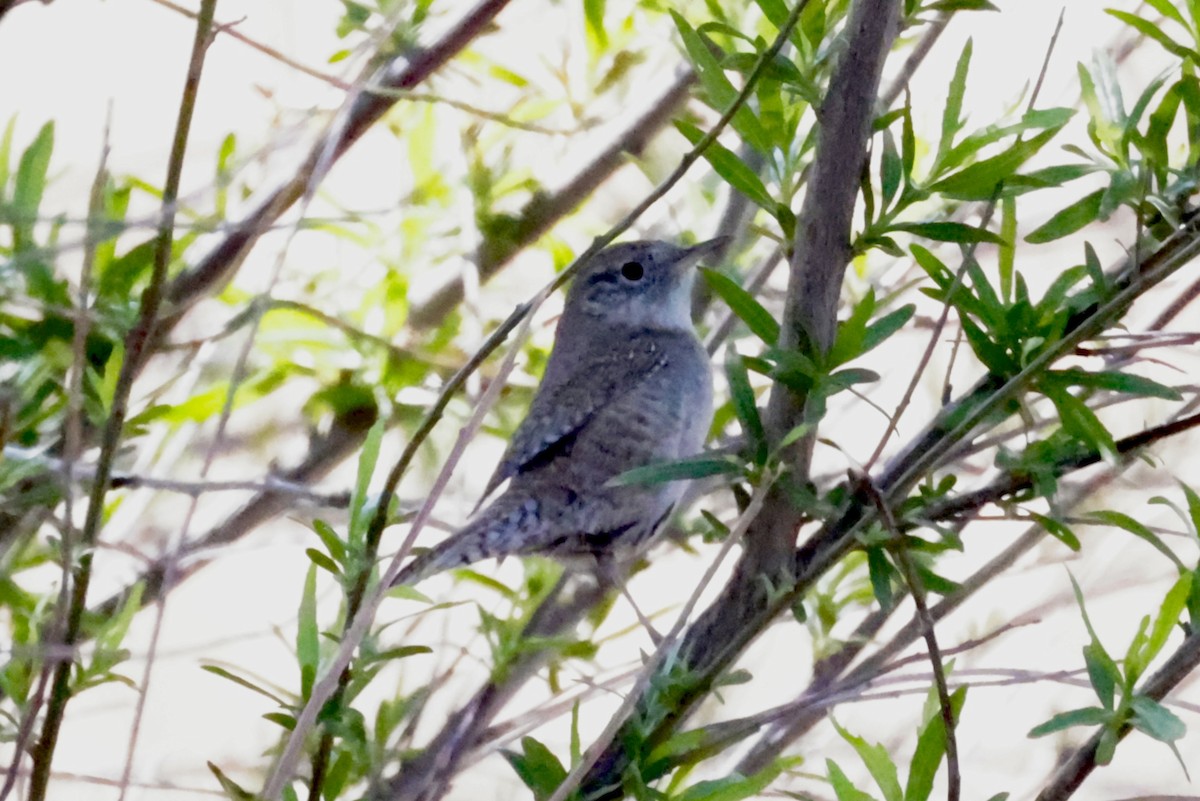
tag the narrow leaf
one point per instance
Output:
(745, 405)
(727, 165)
(744, 305)
(1088, 716)
(1140, 530)
(1079, 214)
(1116, 382)
(947, 231)
(308, 651)
(1152, 718)
(682, 470)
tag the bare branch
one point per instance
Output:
(402, 72)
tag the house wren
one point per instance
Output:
(627, 384)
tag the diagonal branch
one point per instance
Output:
(402, 72)
(543, 211)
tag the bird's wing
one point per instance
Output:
(559, 412)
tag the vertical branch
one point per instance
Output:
(72, 443)
(135, 353)
(822, 253)
(823, 227)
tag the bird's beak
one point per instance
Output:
(697, 253)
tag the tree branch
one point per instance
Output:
(543, 211)
(822, 253)
(136, 353)
(402, 72)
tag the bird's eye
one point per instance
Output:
(632, 270)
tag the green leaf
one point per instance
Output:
(400, 652)
(5, 155)
(1167, 9)
(720, 92)
(1007, 254)
(1087, 716)
(947, 231)
(727, 165)
(880, 572)
(367, 458)
(249, 685)
(885, 326)
(231, 788)
(333, 543)
(1094, 270)
(1152, 718)
(1154, 32)
(733, 787)
(891, 169)
(308, 650)
(1168, 617)
(322, 560)
(1058, 530)
(29, 186)
(682, 470)
(744, 305)
(843, 788)
(1079, 214)
(978, 181)
(593, 14)
(1079, 420)
(1116, 382)
(878, 763)
(745, 405)
(852, 332)
(931, 748)
(537, 767)
(1193, 502)
(952, 113)
(1124, 521)
(1102, 672)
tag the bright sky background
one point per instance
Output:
(74, 61)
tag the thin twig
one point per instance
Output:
(135, 354)
(230, 29)
(72, 445)
(928, 630)
(665, 652)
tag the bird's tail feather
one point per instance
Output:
(505, 527)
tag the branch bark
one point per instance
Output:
(822, 253)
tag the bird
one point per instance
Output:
(627, 384)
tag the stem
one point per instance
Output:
(135, 353)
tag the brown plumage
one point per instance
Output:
(627, 384)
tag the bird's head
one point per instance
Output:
(644, 284)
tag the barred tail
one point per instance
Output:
(509, 525)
